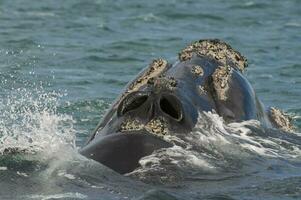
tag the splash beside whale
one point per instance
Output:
(167, 98)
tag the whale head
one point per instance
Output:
(165, 99)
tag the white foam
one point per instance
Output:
(214, 145)
(22, 174)
(68, 195)
(66, 175)
(293, 24)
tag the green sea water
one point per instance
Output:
(62, 63)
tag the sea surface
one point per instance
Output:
(62, 64)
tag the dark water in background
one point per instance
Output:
(62, 63)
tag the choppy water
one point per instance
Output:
(62, 63)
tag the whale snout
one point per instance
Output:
(122, 151)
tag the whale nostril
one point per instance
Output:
(131, 102)
(171, 106)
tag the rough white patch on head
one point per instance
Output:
(281, 120)
(221, 78)
(131, 125)
(156, 68)
(156, 126)
(215, 49)
(197, 70)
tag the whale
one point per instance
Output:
(167, 98)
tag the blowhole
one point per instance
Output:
(132, 103)
(170, 106)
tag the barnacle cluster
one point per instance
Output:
(131, 125)
(197, 70)
(215, 49)
(156, 68)
(157, 126)
(281, 120)
(221, 78)
(163, 82)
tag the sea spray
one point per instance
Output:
(30, 122)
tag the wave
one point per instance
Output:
(215, 150)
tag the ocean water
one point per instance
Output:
(62, 63)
